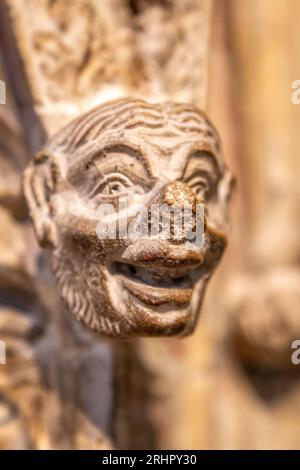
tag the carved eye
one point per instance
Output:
(202, 173)
(200, 185)
(112, 185)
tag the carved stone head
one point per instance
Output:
(166, 153)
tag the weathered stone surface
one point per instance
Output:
(16, 261)
(164, 154)
(75, 56)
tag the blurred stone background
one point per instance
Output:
(232, 384)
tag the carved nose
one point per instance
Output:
(179, 194)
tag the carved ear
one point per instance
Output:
(39, 180)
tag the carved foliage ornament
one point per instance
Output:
(168, 153)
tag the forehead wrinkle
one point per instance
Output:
(164, 126)
(184, 152)
(208, 158)
(160, 143)
(103, 116)
(86, 156)
(126, 122)
(118, 118)
(167, 142)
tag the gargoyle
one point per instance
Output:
(166, 153)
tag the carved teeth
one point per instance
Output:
(162, 277)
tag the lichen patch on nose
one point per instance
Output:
(179, 194)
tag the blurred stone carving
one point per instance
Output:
(34, 379)
(79, 54)
(264, 326)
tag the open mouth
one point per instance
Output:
(155, 286)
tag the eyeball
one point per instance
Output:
(112, 185)
(200, 185)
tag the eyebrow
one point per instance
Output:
(206, 155)
(119, 147)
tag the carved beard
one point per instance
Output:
(93, 295)
(75, 290)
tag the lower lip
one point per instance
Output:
(153, 295)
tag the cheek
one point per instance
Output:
(82, 238)
(215, 213)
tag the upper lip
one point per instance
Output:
(151, 253)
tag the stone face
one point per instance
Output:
(165, 154)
